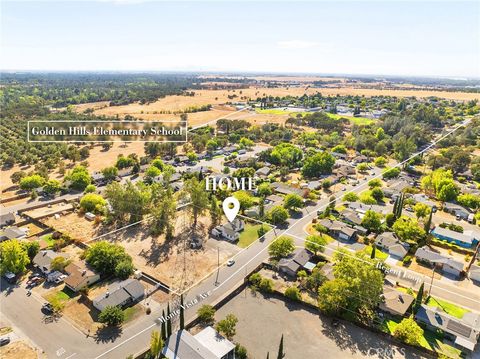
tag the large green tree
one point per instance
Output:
(320, 163)
(14, 257)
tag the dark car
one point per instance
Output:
(4, 341)
(47, 308)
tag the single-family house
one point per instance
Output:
(463, 332)
(7, 219)
(230, 230)
(361, 208)
(13, 233)
(43, 259)
(120, 294)
(339, 229)
(466, 240)
(395, 302)
(390, 243)
(296, 261)
(474, 272)
(351, 217)
(286, 189)
(263, 172)
(445, 263)
(314, 185)
(80, 276)
(98, 179)
(456, 210)
(207, 344)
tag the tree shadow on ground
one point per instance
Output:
(107, 334)
(348, 337)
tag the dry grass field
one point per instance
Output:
(75, 225)
(18, 349)
(172, 261)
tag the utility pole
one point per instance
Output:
(218, 266)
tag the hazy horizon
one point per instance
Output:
(360, 38)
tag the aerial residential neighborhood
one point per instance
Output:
(299, 199)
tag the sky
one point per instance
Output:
(408, 38)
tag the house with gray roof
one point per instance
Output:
(207, 344)
(445, 263)
(339, 229)
(43, 259)
(12, 233)
(390, 243)
(463, 332)
(456, 210)
(7, 219)
(474, 273)
(263, 172)
(286, 189)
(230, 230)
(120, 294)
(295, 262)
(395, 302)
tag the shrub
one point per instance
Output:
(266, 285)
(407, 260)
(293, 293)
(112, 316)
(240, 352)
(255, 279)
(206, 314)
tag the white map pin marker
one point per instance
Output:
(231, 213)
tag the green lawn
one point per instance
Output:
(49, 240)
(430, 340)
(355, 120)
(249, 234)
(130, 312)
(378, 253)
(447, 307)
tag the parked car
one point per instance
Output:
(34, 282)
(47, 308)
(60, 279)
(10, 277)
(4, 341)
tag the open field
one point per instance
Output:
(172, 261)
(18, 349)
(75, 225)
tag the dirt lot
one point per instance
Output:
(75, 225)
(305, 331)
(18, 349)
(420, 268)
(168, 261)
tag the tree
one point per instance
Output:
(14, 257)
(374, 251)
(372, 221)
(374, 183)
(292, 201)
(448, 192)
(32, 248)
(469, 200)
(293, 293)
(380, 161)
(124, 268)
(391, 173)
(246, 142)
(428, 223)
(163, 211)
(112, 315)
(198, 196)
(315, 280)
(264, 189)
(281, 353)
(206, 314)
(79, 178)
(315, 243)
(350, 197)
(281, 247)
(31, 182)
(377, 194)
(319, 164)
(421, 210)
(156, 344)
(286, 154)
(227, 326)
(407, 229)
(246, 199)
(151, 173)
(104, 257)
(367, 198)
(419, 299)
(58, 263)
(17, 176)
(169, 321)
(357, 287)
(408, 331)
(182, 314)
(128, 202)
(440, 183)
(92, 202)
(277, 215)
(52, 186)
(90, 189)
(404, 147)
(110, 173)
(163, 329)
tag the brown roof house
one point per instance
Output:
(80, 276)
(300, 259)
(395, 302)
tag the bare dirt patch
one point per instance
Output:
(172, 261)
(18, 349)
(50, 210)
(75, 225)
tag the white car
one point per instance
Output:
(230, 262)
